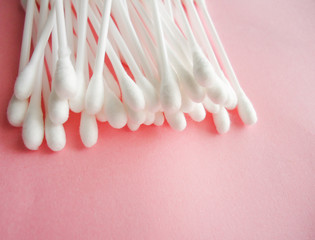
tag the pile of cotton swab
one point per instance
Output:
(166, 55)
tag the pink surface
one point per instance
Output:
(253, 183)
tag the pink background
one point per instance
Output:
(252, 183)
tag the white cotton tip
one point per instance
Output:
(170, 95)
(77, 102)
(191, 87)
(159, 119)
(137, 117)
(94, 97)
(203, 70)
(232, 98)
(150, 95)
(222, 121)
(133, 126)
(33, 128)
(132, 94)
(88, 129)
(210, 106)
(101, 116)
(25, 82)
(55, 135)
(198, 114)
(187, 104)
(115, 111)
(177, 120)
(218, 93)
(16, 111)
(58, 109)
(65, 78)
(150, 117)
(246, 110)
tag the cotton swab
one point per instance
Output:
(25, 81)
(95, 91)
(245, 107)
(170, 96)
(167, 68)
(151, 96)
(69, 26)
(113, 110)
(231, 100)
(17, 108)
(54, 133)
(108, 76)
(65, 77)
(203, 69)
(132, 94)
(195, 92)
(33, 125)
(58, 108)
(78, 101)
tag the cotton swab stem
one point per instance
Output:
(27, 34)
(127, 29)
(68, 24)
(61, 27)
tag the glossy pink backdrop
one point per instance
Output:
(252, 183)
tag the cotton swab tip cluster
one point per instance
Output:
(167, 58)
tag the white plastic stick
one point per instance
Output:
(27, 34)
(124, 23)
(68, 24)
